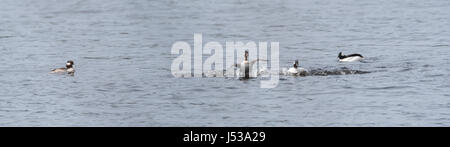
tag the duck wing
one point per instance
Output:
(236, 65)
(254, 61)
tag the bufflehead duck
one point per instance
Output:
(69, 68)
(349, 58)
(246, 66)
(297, 71)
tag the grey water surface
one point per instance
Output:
(121, 50)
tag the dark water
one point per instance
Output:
(121, 50)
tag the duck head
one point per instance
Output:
(246, 55)
(69, 64)
(296, 64)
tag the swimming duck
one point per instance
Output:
(295, 70)
(69, 68)
(246, 66)
(350, 58)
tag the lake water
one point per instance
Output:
(121, 50)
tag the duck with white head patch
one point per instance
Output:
(296, 71)
(350, 58)
(68, 69)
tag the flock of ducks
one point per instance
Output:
(245, 67)
(295, 70)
